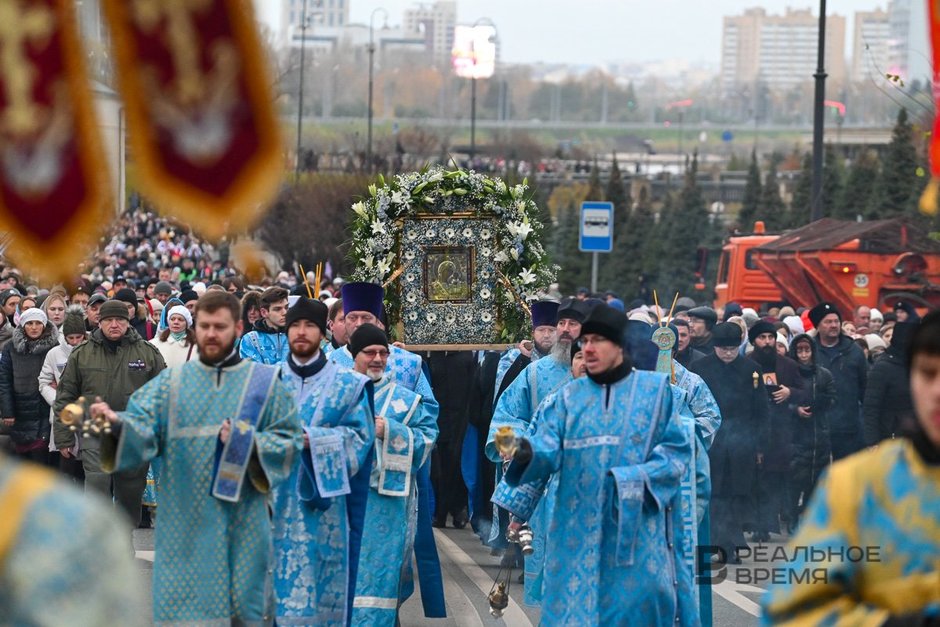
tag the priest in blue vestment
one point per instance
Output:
(312, 577)
(405, 435)
(619, 451)
(363, 304)
(516, 408)
(228, 433)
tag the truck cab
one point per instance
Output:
(740, 280)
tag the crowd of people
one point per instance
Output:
(236, 401)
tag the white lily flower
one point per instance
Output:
(398, 198)
(378, 228)
(514, 254)
(501, 257)
(369, 261)
(527, 276)
(360, 209)
(384, 268)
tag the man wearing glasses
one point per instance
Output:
(404, 437)
(738, 450)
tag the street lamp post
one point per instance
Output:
(371, 65)
(300, 90)
(818, 119)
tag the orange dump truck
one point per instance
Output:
(875, 263)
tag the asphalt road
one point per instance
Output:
(469, 571)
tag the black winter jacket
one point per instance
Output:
(20, 364)
(849, 369)
(888, 406)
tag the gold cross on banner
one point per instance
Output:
(19, 27)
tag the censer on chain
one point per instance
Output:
(507, 444)
(77, 416)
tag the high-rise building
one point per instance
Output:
(778, 50)
(328, 13)
(909, 48)
(436, 21)
(871, 44)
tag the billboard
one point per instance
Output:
(474, 52)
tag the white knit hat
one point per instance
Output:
(182, 311)
(34, 314)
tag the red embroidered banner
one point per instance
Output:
(200, 108)
(53, 190)
(928, 202)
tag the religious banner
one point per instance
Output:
(459, 255)
(53, 190)
(200, 109)
(930, 197)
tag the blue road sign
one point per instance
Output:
(597, 227)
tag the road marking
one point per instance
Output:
(512, 615)
(460, 605)
(731, 592)
(147, 556)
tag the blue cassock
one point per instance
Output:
(619, 453)
(264, 348)
(515, 409)
(213, 557)
(406, 369)
(391, 513)
(311, 524)
(703, 410)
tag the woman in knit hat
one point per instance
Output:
(177, 342)
(22, 407)
(73, 331)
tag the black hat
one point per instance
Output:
(574, 309)
(366, 335)
(162, 287)
(120, 278)
(308, 309)
(97, 298)
(760, 327)
(126, 295)
(820, 311)
(74, 323)
(732, 309)
(726, 335)
(607, 322)
(704, 313)
(9, 293)
(114, 309)
(188, 295)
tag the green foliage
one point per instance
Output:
(899, 186)
(833, 181)
(622, 261)
(801, 205)
(750, 205)
(595, 191)
(860, 188)
(682, 229)
(772, 209)
(575, 265)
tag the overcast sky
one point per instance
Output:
(599, 31)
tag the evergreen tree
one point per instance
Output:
(638, 232)
(595, 191)
(833, 182)
(772, 209)
(898, 187)
(858, 197)
(801, 205)
(681, 232)
(750, 205)
(613, 266)
(575, 265)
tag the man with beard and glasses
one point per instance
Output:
(738, 449)
(313, 580)
(786, 392)
(228, 432)
(404, 436)
(614, 443)
(515, 409)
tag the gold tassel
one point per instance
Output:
(928, 200)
